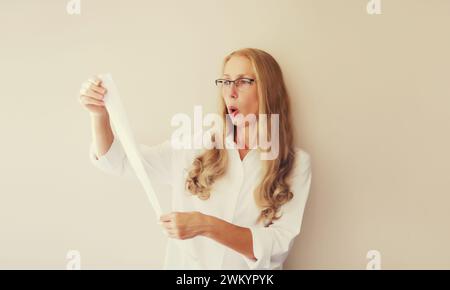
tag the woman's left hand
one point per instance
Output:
(185, 225)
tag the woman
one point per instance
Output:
(231, 208)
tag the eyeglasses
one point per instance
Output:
(241, 84)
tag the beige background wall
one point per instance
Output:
(371, 98)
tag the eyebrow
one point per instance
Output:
(240, 75)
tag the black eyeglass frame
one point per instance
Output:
(230, 81)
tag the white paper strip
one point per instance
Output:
(123, 131)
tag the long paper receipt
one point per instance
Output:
(123, 131)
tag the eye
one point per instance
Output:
(226, 82)
(220, 82)
(244, 82)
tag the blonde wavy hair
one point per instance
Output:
(273, 190)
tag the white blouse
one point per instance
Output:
(231, 200)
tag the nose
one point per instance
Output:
(232, 92)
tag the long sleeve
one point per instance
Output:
(271, 244)
(157, 161)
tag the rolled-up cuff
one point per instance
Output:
(111, 161)
(262, 248)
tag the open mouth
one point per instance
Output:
(233, 111)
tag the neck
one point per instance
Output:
(246, 137)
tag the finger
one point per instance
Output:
(91, 93)
(166, 217)
(85, 100)
(173, 234)
(165, 225)
(91, 101)
(99, 89)
(95, 80)
(170, 230)
(91, 86)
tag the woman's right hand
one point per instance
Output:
(91, 97)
